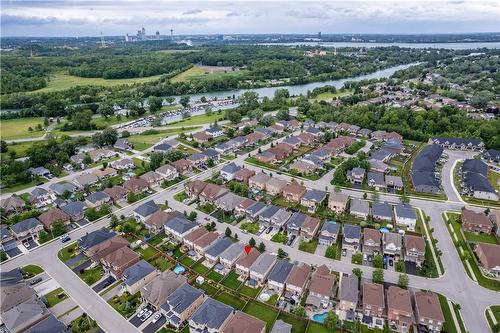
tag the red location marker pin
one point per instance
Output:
(248, 248)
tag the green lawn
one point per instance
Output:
(231, 280)
(315, 327)
(198, 120)
(19, 147)
(200, 73)
(186, 261)
(62, 81)
(11, 129)
(249, 291)
(298, 325)
(55, 296)
(232, 300)
(206, 208)
(31, 270)
(84, 324)
(263, 312)
(147, 253)
(157, 239)
(181, 196)
(496, 313)
(252, 228)
(165, 330)
(448, 325)
(329, 95)
(68, 252)
(143, 141)
(19, 187)
(199, 268)
(92, 275)
(209, 289)
(480, 238)
(162, 264)
(280, 237)
(126, 304)
(308, 246)
(273, 299)
(213, 275)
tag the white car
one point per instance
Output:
(156, 317)
(143, 311)
(146, 315)
(27, 245)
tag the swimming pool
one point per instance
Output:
(320, 317)
(179, 269)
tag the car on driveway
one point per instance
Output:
(27, 244)
(156, 317)
(146, 315)
(35, 280)
(143, 311)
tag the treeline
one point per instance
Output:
(21, 74)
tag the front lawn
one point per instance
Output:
(68, 252)
(91, 275)
(31, 270)
(280, 237)
(55, 296)
(252, 228)
(84, 324)
(263, 312)
(206, 208)
(232, 300)
(231, 281)
(126, 304)
(181, 196)
(308, 246)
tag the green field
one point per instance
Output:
(263, 312)
(12, 129)
(197, 72)
(19, 147)
(142, 142)
(62, 81)
(55, 297)
(197, 120)
(329, 95)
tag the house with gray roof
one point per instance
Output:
(97, 199)
(376, 180)
(145, 210)
(253, 211)
(75, 210)
(228, 202)
(348, 295)
(352, 237)
(278, 276)
(137, 276)
(329, 233)
(179, 227)
(281, 327)
(406, 215)
(48, 325)
(312, 199)
(10, 278)
(280, 218)
(392, 244)
(394, 182)
(227, 172)
(356, 175)
(94, 238)
(267, 214)
(459, 143)
(85, 179)
(213, 252)
(40, 197)
(24, 316)
(61, 188)
(230, 255)
(211, 316)
(382, 211)
(26, 229)
(423, 170)
(360, 208)
(260, 269)
(181, 304)
(156, 292)
(295, 222)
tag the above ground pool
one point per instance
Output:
(179, 269)
(320, 317)
(384, 230)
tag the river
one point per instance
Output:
(300, 88)
(451, 46)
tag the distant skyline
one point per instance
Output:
(89, 18)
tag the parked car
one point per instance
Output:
(156, 317)
(27, 244)
(269, 230)
(143, 311)
(35, 280)
(65, 238)
(344, 252)
(146, 315)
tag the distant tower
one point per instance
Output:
(143, 31)
(103, 43)
(319, 35)
(335, 51)
(157, 35)
(172, 34)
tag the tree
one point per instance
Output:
(378, 261)
(299, 311)
(155, 160)
(107, 137)
(403, 281)
(170, 99)
(3, 146)
(46, 122)
(125, 134)
(236, 236)
(193, 215)
(331, 321)
(404, 198)
(228, 232)
(378, 276)
(249, 100)
(331, 252)
(184, 101)
(261, 247)
(131, 197)
(283, 114)
(357, 258)
(358, 272)
(58, 228)
(154, 104)
(251, 242)
(281, 253)
(400, 266)
(106, 110)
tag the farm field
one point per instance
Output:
(200, 72)
(62, 81)
(12, 129)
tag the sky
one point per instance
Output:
(89, 18)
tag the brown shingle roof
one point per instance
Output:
(53, 215)
(373, 294)
(414, 242)
(428, 306)
(247, 260)
(158, 219)
(299, 275)
(135, 184)
(116, 192)
(399, 299)
(491, 254)
(195, 234)
(243, 323)
(322, 283)
(470, 216)
(206, 239)
(372, 234)
(294, 188)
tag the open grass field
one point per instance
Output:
(142, 142)
(12, 129)
(62, 81)
(200, 72)
(328, 95)
(198, 120)
(19, 147)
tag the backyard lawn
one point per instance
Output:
(213, 275)
(186, 261)
(316, 328)
(200, 268)
(147, 253)
(142, 141)
(210, 290)
(249, 291)
(232, 300)
(262, 312)
(231, 281)
(162, 264)
(11, 129)
(55, 296)
(298, 325)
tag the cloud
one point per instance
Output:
(192, 12)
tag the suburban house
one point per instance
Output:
(228, 171)
(360, 208)
(392, 244)
(423, 170)
(371, 241)
(212, 254)
(53, 215)
(312, 199)
(240, 322)
(118, 261)
(123, 164)
(352, 238)
(181, 304)
(376, 179)
(167, 172)
(7, 240)
(145, 210)
(278, 276)
(476, 222)
(204, 242)
(348, 296)
(136, 185)
(267, 213)
(179, 227)
(309, 228)
(356, 175)
(26, 229)
(211, 192)
(155, 223)
(152, 178)
(382, 211)
(475, 181)
(182, 166)
(194, 188)
(105, 173)
(394, 182)
(101, 250)
(97, 199)
(489, 258)
(260, 269)
(428, 311)
(399, 309)
(406, 215)
(88, 242)
(281, 217)
(258, 181)
(338, 202)
(40, 197)
(12, 204)
(275, 186)
(229, 257)
(414, 249)
(293, 192)
(373, 304)
(197, 160)
(294, 224)
(243, 175)
(116, 193)
(253, 211)
(320, 288)
(157, 291)
(297, 281)
(192, 236)
(75, 210)
(211, 316)
(329, 233)
(137, 276)
(245, 262)
(62, 188)
(122, 144)
(459, 143)
(85, 179)
(228, 201)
